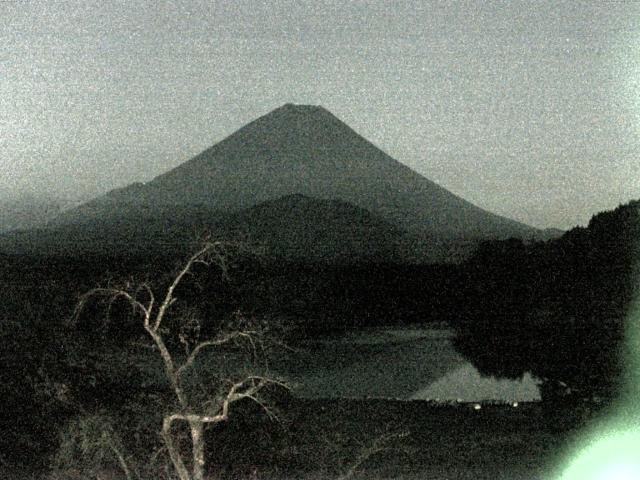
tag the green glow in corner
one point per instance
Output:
(612, 450)
(613, 457)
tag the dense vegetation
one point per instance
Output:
(556, 309)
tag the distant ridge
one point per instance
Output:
(292, 228)
(306, 150)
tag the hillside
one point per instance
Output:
(298, 227)
(562, 310)
(292, 228)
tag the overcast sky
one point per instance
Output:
(528, 109)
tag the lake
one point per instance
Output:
(398, 363)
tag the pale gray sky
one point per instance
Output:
(528, 109)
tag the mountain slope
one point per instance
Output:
(306, 150)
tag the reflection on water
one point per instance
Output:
(466, 384)
(395, 363)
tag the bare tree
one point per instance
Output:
(379, 444)
(347, 455)
(190, 408)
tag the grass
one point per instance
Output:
(448, 441)
(321, 438)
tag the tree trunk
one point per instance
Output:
(197, 439)
(174, 454)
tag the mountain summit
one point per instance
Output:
(304, 149)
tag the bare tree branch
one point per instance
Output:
(221, 340)
(169, 298)
(379, 444)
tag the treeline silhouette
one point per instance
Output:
(558, 309)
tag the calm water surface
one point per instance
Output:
(407, 364)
